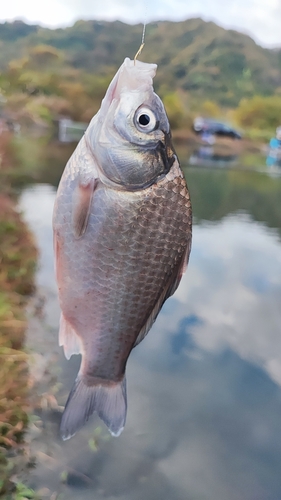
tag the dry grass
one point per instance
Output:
(17, 265)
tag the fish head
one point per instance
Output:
(130, 136)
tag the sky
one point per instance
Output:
(261, 19)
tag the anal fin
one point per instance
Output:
(68, 338)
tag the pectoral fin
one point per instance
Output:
(82, 198)
(57, 253)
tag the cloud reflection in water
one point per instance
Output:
(204, 416)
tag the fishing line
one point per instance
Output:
(142, 43)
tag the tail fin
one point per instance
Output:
(109, 401)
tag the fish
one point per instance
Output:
(122, 226)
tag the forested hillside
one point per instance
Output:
(69, 69)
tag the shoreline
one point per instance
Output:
(18, 256)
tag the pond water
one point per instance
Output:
(204, 387)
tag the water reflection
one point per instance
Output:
(207, 156)
(204, 386)
(236, 290)
(217, 193)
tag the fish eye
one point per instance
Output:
(145, 120)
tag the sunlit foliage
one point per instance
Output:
(259, 112)
(202, 68)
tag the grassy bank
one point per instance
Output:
(17, 266)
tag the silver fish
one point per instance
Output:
(122, 237)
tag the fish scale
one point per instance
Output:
(122, 238)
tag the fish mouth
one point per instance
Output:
(111, 92)
(132, 75)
